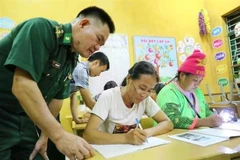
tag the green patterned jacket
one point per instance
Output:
(176, 106)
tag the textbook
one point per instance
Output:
(113, 150)
(206, 136)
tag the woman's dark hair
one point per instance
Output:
(142, 67)
(178, 76)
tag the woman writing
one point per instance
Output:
(113, 119)
(182, 100)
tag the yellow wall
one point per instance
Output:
(172, 18)
(217, 9)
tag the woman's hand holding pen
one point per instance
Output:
(215, 120)
(136, 136)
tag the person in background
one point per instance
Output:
(108, 85)
(95, 65)
(36, 61)
(157, 89)
(113, 118)
(182, 100)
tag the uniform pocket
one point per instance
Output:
(50, 71)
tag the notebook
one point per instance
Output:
(231, 125)
(206, 136)
(113, 150)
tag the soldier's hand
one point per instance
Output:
(41, 148)
(74, 147)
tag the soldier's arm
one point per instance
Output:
(28, 94)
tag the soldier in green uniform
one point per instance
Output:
(36, 62)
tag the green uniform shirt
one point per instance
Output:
(177, 107)
(42, 48)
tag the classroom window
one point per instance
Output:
(234, 42)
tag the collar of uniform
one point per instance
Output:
(67, 34)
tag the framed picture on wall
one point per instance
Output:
(160, 51)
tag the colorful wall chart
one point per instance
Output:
(186, 48)
(160, 51)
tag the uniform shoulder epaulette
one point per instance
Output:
(67, 37)
(59, 31)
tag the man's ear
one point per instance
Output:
(128, 79)
(96, 62)
(84, 22)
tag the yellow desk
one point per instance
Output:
(178, 150)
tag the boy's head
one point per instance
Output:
(156, 90)
(98, 63)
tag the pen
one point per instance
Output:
(140, 126)
(215, 111)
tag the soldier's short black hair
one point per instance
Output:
(101, 57)
(100, 14)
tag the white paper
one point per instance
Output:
(231, 125)
(224, 133)
(198, 139)
(112, 150)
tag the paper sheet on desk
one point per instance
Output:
(231, 125)
(197, 139)
(217, 132)
(113, 150)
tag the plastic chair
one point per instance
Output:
(222, 95)
(226, 103)
(147, 122)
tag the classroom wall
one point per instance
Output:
(172, 18)
(217, 10)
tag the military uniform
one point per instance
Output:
(42, 48)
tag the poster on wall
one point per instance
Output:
(186, 47)
(216, 31)
(6, 24)
(160, 51)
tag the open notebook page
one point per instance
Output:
(224, 133)
(231, 125)
(197, 139)
(112, 150)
